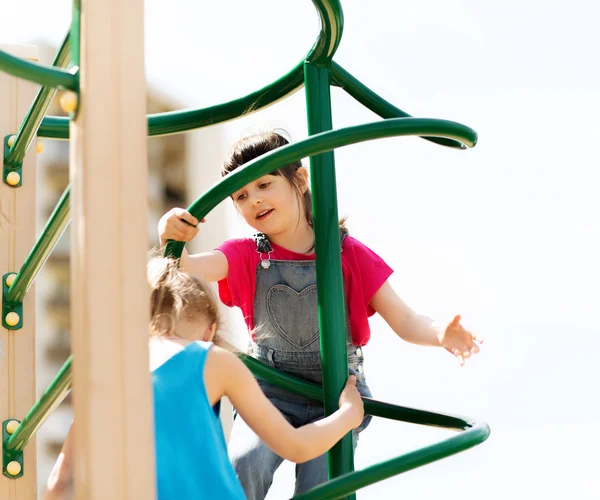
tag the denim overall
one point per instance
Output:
(287, 338)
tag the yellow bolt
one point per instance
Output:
(68, 102)
(13, 468)
(12, 319)
(13, 178)
(10, 279)
(11, 427)
(39, 147)
(11, 140)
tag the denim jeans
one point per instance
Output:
(255, 463)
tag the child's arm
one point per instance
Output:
(297, 445)
(60, 482)
(422, 330)
(178, 224)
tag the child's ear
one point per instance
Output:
(212, 330)
(303, 174)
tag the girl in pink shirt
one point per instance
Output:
(272, 279)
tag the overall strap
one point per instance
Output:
(264, 246)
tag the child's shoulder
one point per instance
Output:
(221, 362)
(352, 243)
(238, 246)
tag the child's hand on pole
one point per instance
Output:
(351, 401)
(177, 224)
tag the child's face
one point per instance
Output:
(270, 204)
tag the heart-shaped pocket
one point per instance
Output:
(294, 314)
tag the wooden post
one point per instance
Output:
(17, 237)
(114, 436)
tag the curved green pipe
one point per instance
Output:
(34, 117)
(38, 73)
(332, 26)
(375, 103)
(173, 122)
(55, 226)
(372, 406)
(348, 483)
(473, 433)
(331, 17)
(56, 392)
(320, 143)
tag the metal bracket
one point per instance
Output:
(9, 458)
(7, 170)
(7, 308)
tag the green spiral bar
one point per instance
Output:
(38, 73)
(32, 121)
(341, 486)
(316, 144)
(473, 433)
(377, 104)
(331, 17)
(56, 392)
(332, 26)
(55, 226)
(372, 406)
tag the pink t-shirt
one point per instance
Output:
(364, 273)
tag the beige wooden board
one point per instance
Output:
(17, 237)
(112, 391)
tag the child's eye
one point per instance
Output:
(264, 185)
(241, 197)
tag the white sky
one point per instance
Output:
(506, 234)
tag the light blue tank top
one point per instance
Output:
(191, 454)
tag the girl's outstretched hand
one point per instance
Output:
(459, 341)
(177, 224)
(351, 401)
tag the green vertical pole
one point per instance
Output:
(332, 323)
(74, 34)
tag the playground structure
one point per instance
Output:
(107, 130)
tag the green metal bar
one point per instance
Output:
(377, 104)
(316, 144)
(372, 406)
(332, 26)
(331, 17)
(56, 392)
(340, 487)
(75, 31)
(55, 226)
(330, 288)
(175, 122)
(34, 117)
(39, 73)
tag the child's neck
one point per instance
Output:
(299, 239)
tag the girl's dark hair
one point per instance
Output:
(174, 293)
(253, 146)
